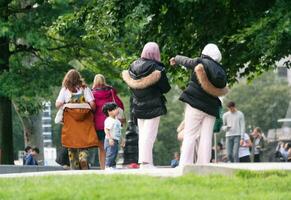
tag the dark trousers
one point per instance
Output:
(111, 153)
(245, 159)
(257, 158)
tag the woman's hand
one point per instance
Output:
(111, 142)
(172, 61)
(59, 104)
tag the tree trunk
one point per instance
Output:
(6, 133)
(32, 127)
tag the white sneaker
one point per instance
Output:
(147, 166)
(109, 168)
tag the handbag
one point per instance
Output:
(63, 157)
(59, 116)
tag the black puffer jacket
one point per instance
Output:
(148, 81)
(208, 75)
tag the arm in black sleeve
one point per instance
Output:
(187, 62)
(163, 83)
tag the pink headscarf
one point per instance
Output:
(151, 51)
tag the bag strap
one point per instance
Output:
(112, 95)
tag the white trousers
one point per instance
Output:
(148, 130)
(198, 126)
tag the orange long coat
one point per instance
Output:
(78, 130)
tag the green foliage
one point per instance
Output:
(244, 31)
(263, 101)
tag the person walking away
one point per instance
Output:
(146, 77)
(103, 94)
(78, 131)
(112, 129)
(244, 149)
(234, 125)
(207, 82)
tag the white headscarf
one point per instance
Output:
(212, 51)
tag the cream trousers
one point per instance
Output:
(198, 125)
(148, 130)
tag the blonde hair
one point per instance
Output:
(99, 81)
(73, 80)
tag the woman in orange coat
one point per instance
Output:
(78, 132)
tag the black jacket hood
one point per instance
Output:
(143, 67)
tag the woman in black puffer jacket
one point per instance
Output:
(148, 82)
(208, 81)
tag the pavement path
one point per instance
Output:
(227, 169)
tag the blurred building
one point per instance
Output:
(47, 124)
(49, 152)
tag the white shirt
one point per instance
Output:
(257, 142)
(244, 151)
(236, 122)
(114, 127)
(65, 95)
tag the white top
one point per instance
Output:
(244, 151)
(65, 95)
(114, 127)
(257, 142)
(236, 123)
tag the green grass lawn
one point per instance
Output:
(244, 185)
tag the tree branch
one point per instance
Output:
(63, 47)
(24, 48)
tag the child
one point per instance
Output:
(112, 129)
(31, 158)
(244, 149)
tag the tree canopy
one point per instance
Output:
(46, 38)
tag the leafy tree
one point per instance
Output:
(263, 101)
(24, 61)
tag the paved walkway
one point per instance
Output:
(220, 168)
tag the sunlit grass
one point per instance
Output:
(244, 185)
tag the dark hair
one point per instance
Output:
(27, 148)
(220, 145)
(258, 129)
(36, 150)
(231, 104)
(109, 107)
